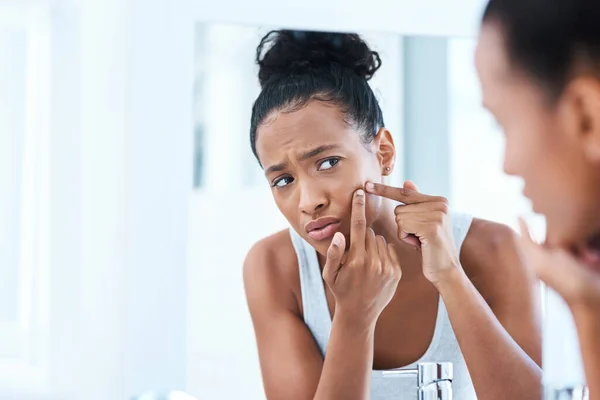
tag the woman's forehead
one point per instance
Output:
(313, 125)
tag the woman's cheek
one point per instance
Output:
(374, 204)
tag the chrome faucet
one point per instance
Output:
(567, 393)
(434, 380)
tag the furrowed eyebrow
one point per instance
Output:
(305, 156)
(315, 152)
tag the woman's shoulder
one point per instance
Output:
(274, 250)
(271, 266)
(487, 239)
(486, 244)
(491, 257)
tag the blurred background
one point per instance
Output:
(129, 195)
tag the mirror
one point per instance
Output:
(114, 245)
(447, 143)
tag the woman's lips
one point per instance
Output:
(324, 232)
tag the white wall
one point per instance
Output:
(222, 354)
(103, 129)
(120, 177)
(66, 209)
(13, 61)
(137, 79)
(159, 179)
(24, 180)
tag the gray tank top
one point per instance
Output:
(443, 348)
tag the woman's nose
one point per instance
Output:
(311, 199)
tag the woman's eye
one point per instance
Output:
(329, 163)
(282, 182)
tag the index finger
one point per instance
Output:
(402, 195)
(358, 230)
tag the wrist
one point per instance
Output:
(450, 277)
(353, 322)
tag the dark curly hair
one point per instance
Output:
(297, 67)
(549, 40)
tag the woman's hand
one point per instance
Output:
(577, 281)
(423, 221)
(365, 279)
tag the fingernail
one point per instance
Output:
(336, 239)
(360, 192)
(369, 186)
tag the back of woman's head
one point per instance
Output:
(550, 40)
(297, 67)
(539, 66)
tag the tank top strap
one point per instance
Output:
(314, 301)
(461, 223)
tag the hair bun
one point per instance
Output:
(282, 52)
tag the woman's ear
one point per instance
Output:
(385, 150)
(583, 97)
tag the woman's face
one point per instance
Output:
(545, 143)
(314, 161)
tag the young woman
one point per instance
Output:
(359, 283)
(539, 66)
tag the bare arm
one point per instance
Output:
(588, 328)
(291, 363)
(497, 324)
(289, 358)
(347, 370)
(499, 358)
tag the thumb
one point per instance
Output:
(334, 258)
(532, 251)
(525, 234)
(555, 267)
(567, 276)
(410, 185)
